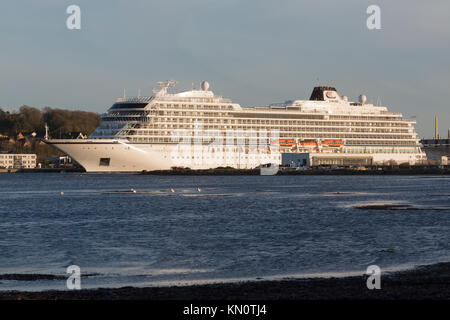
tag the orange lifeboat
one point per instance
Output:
(287, 142)
(309, 143)
(333, 143)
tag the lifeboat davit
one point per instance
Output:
(333, 143)
(287, 142)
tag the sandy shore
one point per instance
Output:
(424, 282)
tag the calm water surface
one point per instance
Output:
(236, 227)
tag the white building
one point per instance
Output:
(17, 161)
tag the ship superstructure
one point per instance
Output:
(201, 130)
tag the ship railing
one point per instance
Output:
(125, 130)
(135, 99)
(122, 115)
(190, 99)
(389, 112)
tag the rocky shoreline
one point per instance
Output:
(220, 171)
(431, 282)
(322, 171)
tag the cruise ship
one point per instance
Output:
(200, 130)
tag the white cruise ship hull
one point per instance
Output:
(122, 157)
(119, 156)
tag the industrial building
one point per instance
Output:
(297, 160)
(437, 147)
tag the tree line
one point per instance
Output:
(17, 128)
(60, 121)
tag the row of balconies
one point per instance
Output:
(277, 122)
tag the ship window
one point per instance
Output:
(128, 105)
(104, 162)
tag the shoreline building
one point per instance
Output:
(17, 161)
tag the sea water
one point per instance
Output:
(143, 230)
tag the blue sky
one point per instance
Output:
(254, 52)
